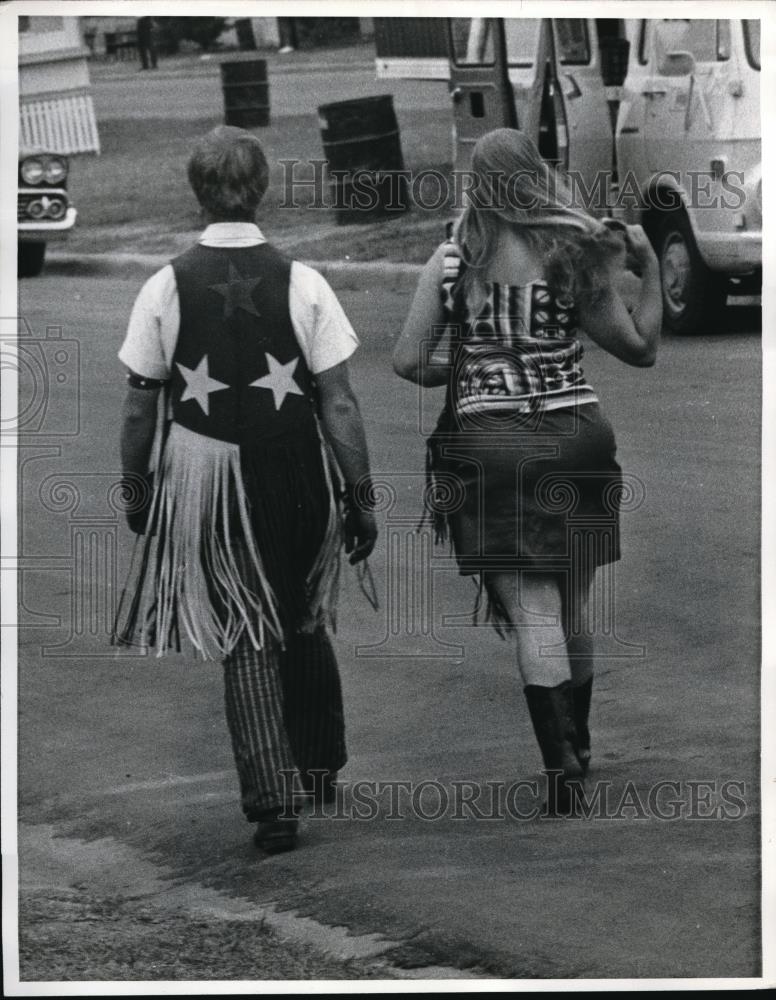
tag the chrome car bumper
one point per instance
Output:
(42, 232)
(731, 253)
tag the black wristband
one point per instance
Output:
(141, 382)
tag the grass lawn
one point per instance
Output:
(135, 196)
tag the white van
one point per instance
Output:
(689, 132)
(656, 121)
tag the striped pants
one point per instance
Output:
(284, 712)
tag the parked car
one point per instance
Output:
(43, 209)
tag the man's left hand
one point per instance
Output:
(360, 534)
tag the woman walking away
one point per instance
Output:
(522, 434)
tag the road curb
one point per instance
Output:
(61, 859)
(343, 275)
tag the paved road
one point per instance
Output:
(125, 760)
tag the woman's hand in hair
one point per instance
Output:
(640, 247)
(626, 314)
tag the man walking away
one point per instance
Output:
(243, 529)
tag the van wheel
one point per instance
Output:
(30, 259)
(693, 296)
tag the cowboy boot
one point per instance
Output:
(552, 716)
(581, 697)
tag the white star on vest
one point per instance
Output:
(199, 385)
(279, 380)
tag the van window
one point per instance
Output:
(723, 40)
(752, 42)
(40, 25)
(472, 41)
(709, 41)
(644, 40)
(573, 43)
(522, 39)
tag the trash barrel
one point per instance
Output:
(246, 93)
(361, 140)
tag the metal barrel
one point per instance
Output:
(246, 93)
(362, 146)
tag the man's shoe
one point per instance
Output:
(275, 836)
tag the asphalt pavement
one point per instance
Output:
(127, 791)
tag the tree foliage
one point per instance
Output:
(201, 30)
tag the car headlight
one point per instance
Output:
(32, 171)
(55, 171)
(56, 208)
(36, 209)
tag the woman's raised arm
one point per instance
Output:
(423, 329)
(631, 337)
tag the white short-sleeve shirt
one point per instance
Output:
(325, 335)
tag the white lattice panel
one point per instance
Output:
(59, 125)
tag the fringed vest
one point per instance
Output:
(239, 390)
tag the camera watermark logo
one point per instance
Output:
(48, 373)
(84, 514)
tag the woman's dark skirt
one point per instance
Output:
(538, 493)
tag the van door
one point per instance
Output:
(590, 155)
(529, 54)
(687, 113)
(479, 86)
(700, 121)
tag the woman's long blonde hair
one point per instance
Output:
(514, 187)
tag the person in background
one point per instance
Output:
(522, 435)
(289, 41)
(146, 44)
(240, 507)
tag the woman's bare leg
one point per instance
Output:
(534, 606)
(577, 629)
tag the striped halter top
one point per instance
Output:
(520, 350)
